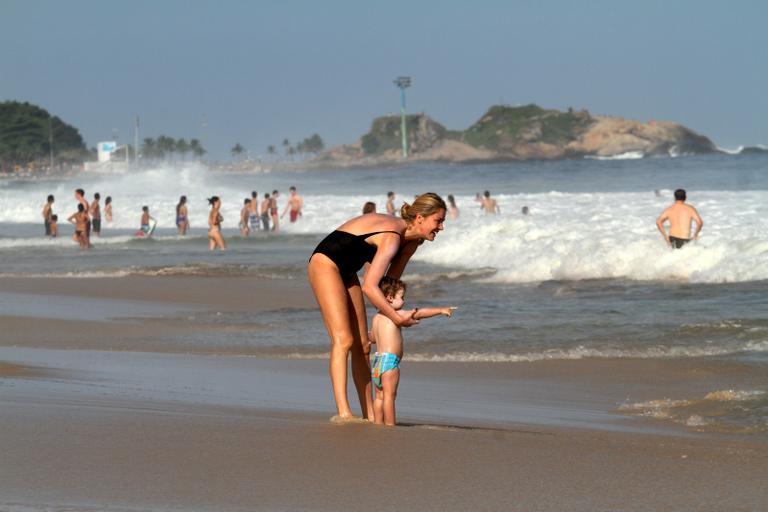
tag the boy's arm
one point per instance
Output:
(420, 313)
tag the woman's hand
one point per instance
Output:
(407, 320)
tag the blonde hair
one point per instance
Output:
(424, 205)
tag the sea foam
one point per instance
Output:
(567, 236)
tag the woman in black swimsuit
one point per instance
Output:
(386, 242)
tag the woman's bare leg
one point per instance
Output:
(361, 347)
(335, 304)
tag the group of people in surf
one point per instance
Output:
(452, 212)
(383, 244)
(254, 217)
(87, 218)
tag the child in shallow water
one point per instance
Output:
(54, 226)
(385, 369)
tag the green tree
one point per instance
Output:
(183, 148)
(301, 147)
(166, 146)
(271, 150)
(315, 144)
(197, 149)
(149, 148)
(25, 133)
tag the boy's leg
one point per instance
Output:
(389, 383)
(378, 406)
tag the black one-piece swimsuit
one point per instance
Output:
(349, 252)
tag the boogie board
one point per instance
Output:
(141, 234)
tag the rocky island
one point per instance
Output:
(506, 133)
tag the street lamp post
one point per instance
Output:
(403, 82)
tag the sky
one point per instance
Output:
(261, 71)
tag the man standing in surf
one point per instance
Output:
(273, 211)
(253, 212)
(295, 204)
(489, 204)
(48, 214)
(95, 214)
(680, 217)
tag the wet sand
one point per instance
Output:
(222, 293)
(114, 419)
(139, 456)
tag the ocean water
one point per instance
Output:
(585, 275)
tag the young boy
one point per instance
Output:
(385, 368)
(146, 218)
(54, 226)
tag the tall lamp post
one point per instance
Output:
(403, 82)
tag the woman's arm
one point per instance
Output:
(400, 260)
(386, 250)
(71, 217)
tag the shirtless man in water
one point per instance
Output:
(295, 204)
(253, 212)
(680, 216)
(48, 214)
(273, 211)
(95, 213)
(489, 204)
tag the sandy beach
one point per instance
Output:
(118, 412)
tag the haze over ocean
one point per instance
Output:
(263, 71)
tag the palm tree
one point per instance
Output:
(196, 148)
(149, 148)
(291, 152)
(271, 150)
(315, 143)
(237, 150)
(286, 145)
(183, 148)
(166, 146)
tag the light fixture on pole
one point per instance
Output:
(403, 82)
